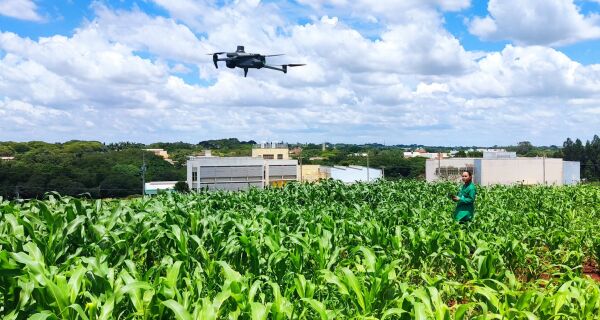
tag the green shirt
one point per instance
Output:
(465, 207)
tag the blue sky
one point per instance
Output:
(439, 72)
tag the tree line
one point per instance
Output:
(78, 167)
(587, 154)
(113, 170)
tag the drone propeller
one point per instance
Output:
(285, 66)
(291, 65)
(210, 54)
(274, 55)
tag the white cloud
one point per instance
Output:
(530, 71)
(20, 9)
(535, 22)
(432, 88)
(126, 75)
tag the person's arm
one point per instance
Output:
(468, 197)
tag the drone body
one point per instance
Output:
(246, 61)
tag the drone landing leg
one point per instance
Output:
(245, 72)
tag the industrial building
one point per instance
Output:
(495, 169)
(353, 174)
(238, 173)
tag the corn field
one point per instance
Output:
(388, 250)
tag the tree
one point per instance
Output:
(588, 155)
(182, 187)
(6, 151)
(460, 154)
(524, 147)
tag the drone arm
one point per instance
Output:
(283, 69)
(216, 58)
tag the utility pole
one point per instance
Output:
(143, 171)
(300, 164)
(544, 168)
(17, 192)
(439, 165)
(368, 166)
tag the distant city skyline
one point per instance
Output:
(428, 72)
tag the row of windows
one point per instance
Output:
(271, 156)
(451, 172)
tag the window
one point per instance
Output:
(194, 176)
(268, 156)
(451, 172)
(280, 156)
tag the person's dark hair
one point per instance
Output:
(469, 172)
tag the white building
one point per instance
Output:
(238, 173)
(154, 187)
(499, 154)
(428, 155)
(353, 174)
(489, 171)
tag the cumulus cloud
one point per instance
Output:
(529, 71)
(20, 9)
(129, 75)
(535, 22)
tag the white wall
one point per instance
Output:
(571, 172)
(521, 171)
(509, 170)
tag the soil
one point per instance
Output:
(591, 269)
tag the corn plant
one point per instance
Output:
(387, 250)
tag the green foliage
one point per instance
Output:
(388, 250)
(6, 151)
(182, 186)
(78, 167)
(468, 154)
(588, 155)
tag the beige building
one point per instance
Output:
(270, 151)
(159, 152)
(313, 172)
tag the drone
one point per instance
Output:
(244, 60)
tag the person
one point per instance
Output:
(465, 200)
